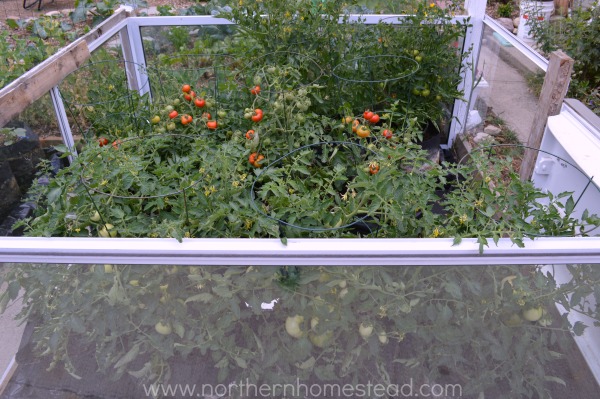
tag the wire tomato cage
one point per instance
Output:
(372, 82)
(210, 76)
(325, 172)
(540, 214)
(101, 90)
(141, 178)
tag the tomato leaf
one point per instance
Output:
(205, 297)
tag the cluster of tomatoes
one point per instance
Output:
(102, 141)
(362, 129)
(255, 115)
(255, 159)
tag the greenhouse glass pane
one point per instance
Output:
(507, 91)
(251, 331)
(25, 145)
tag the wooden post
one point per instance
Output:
(556, 84)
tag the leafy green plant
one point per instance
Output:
(11, 135)
(578, 37)
(489, 325)
(505, 10)
(29, 42)
(246, 138)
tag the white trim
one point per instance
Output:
(523, 47)
(329, 251)
(472, 42)
(7, 374)
(106, 36)
(63, 122)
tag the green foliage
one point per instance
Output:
(99, 10)
(469, 320)
(143, 172)
(578, 37)
(505, 10)
(30, 42)
(9, 135)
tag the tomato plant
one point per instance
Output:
(331, 179)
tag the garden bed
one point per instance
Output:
(259, 142)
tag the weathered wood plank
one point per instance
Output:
(556, 84)
(119, 15)
(36, 82)
(32, 85)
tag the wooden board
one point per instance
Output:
(36, 82)
(554, 89)
(120, 14)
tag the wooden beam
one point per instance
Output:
(556, 84)
(36, 82)
(120, 14)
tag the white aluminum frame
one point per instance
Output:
(301, 252)
(422, 251)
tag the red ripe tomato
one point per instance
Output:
(102, 141)
(185, 119)
(186, 88)
(212, 125)
(173, 114)
(255, 90)
(368, 115)
(373, 168)
(199, 102)
(116, 144)
(206, 115)
(187, 97)
(258, 162)
(257, 115)
(252, 158)
(387, 133)
(250, 134)
(374, 119)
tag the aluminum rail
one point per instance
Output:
(347, 252)
(523, 47)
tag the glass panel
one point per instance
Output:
(507, 93)
(111, 102)
(108, 330)
(26, 141)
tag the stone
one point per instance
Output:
(492, 130)
(482, 137)
(52, 13)
(516, 22)
(506, 23)
(194, 32)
